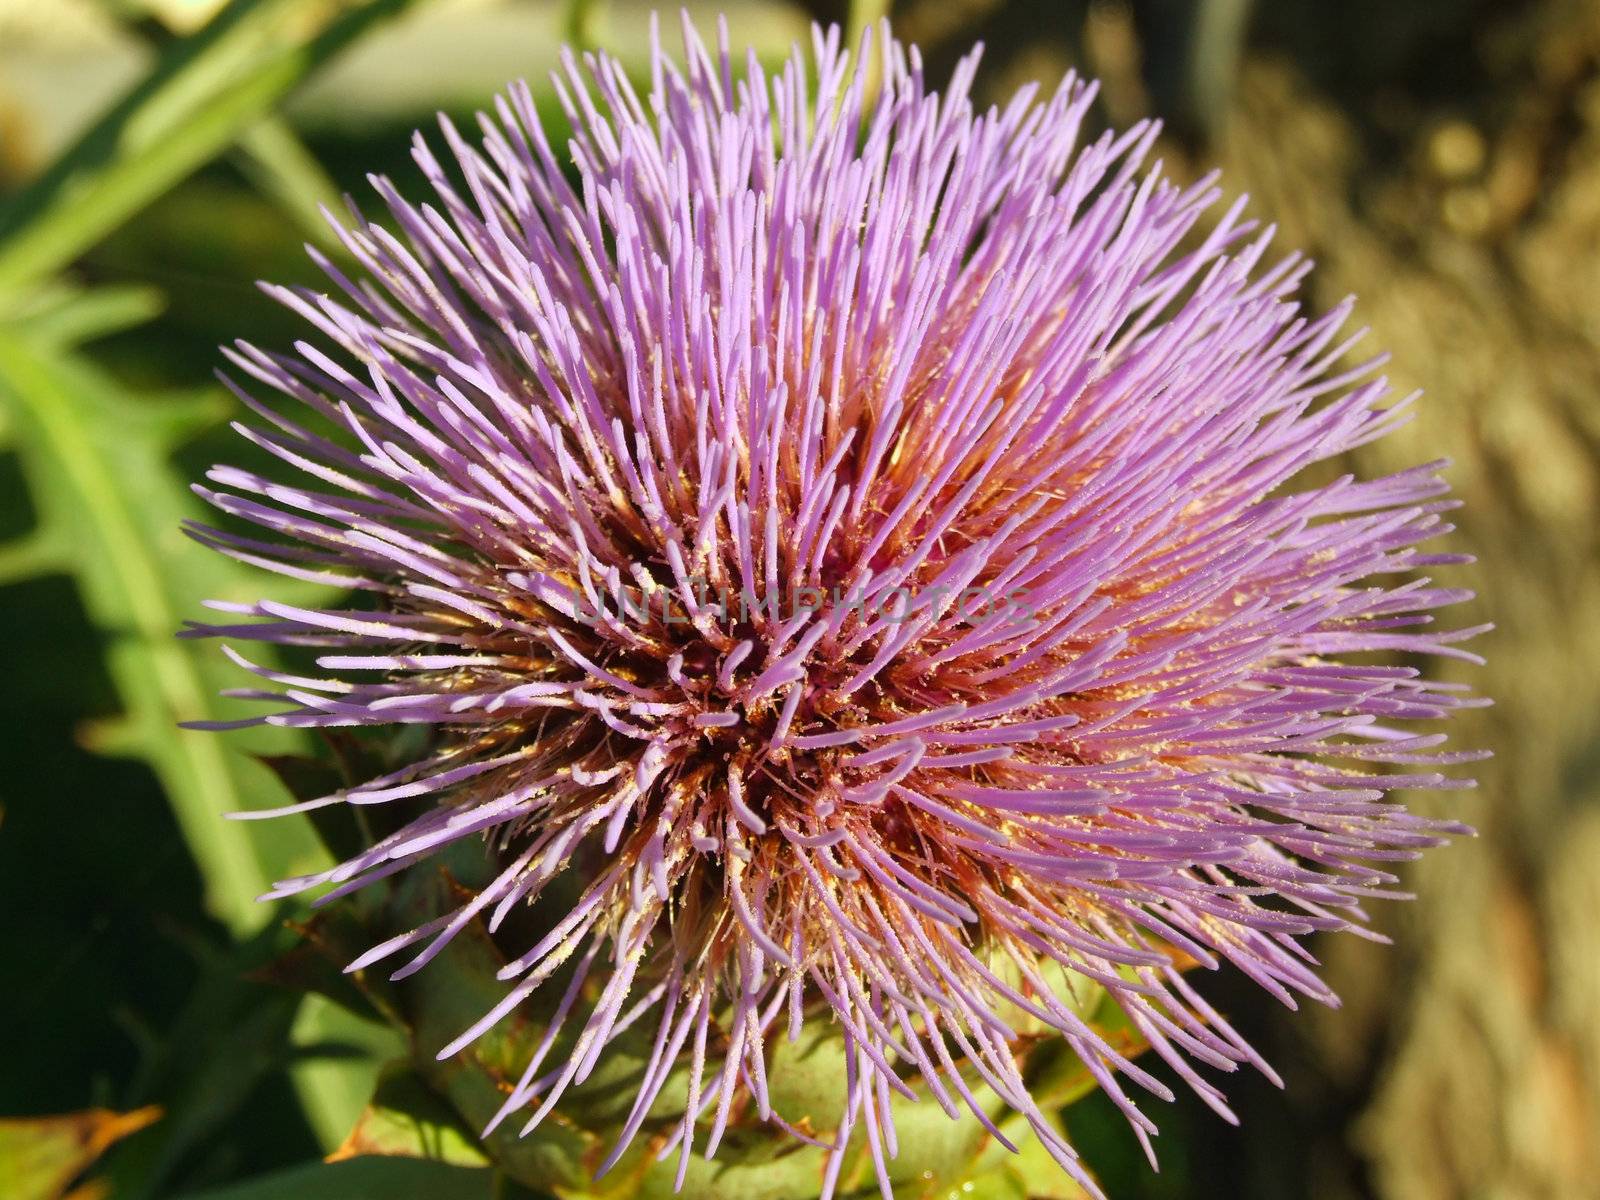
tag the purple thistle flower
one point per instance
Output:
(851, 533)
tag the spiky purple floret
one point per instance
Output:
(793, 332)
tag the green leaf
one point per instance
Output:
(370, 1178)
(862, 14)
(97, 466)
(40, 1157)
(1029, 1174)
(62, 315)
(328, 940)
(335, 1087)
(35, 554)
(209, 1062)
(406, 1118)
(339, 826)
(205, 91)
(277, 162)
(582, 22)
(1058, 1077)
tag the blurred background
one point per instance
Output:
(1440, 157)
